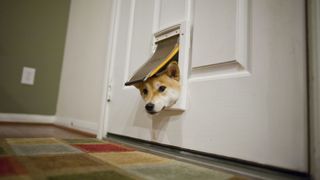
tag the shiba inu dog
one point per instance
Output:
(161, 90)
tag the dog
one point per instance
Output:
(161, 90)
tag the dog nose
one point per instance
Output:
(149, 106)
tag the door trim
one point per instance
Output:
(313, 15)
(107, 79)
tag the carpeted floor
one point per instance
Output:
(76, 159)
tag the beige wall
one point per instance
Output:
(80, 94)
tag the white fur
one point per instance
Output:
(167, 99)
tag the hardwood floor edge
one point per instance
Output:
(91, 135)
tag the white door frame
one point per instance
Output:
(107, 79)
(314, 86)
(314, 82)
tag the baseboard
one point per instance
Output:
(71, 123)
(27, 118)
(77, 124)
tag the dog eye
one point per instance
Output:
(145, 91)
(162, 88)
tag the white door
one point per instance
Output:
(247, 85)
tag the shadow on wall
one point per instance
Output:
(13, 106)
(159, 123)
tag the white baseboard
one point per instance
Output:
(27, 118)
(90, 127)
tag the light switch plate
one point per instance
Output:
(28, 75)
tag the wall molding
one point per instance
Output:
(219, 71)
(238, 67)
(130, 36)
(72, 123)
(242, 33)
(156, 16)
(27, 118)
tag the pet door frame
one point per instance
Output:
(182, 29)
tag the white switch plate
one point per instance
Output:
(28, 75)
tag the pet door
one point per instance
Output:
(167, 50)
(171, 44)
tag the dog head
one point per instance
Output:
(162, 90)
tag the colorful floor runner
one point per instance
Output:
(76, 159)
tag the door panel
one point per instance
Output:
(141, 24)
(214, 39)
(246, 101)
(171, 12)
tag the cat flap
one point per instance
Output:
(166, 51)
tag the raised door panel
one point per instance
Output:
(214, 32)
(140, 35)
(171, 12)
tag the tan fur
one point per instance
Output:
(169, 79)
(154, 83)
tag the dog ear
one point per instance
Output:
(173, 70)
(137, 85)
